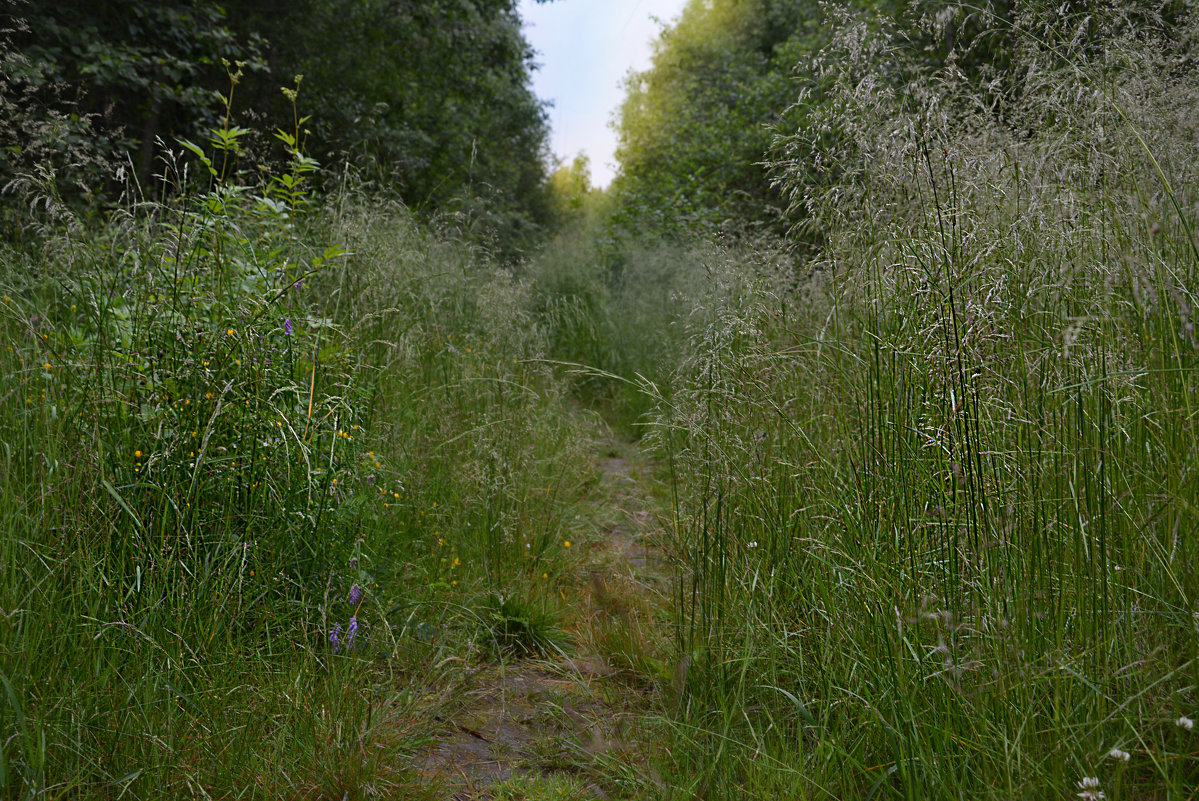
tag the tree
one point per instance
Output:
(429, 97)
(572, 197)
(694, 127)
(116, 75)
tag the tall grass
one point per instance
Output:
(936, 527)
(617, 312)
(265, 462)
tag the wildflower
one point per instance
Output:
(355, 594)
(753, 544)
(230, 332)
(1185, 723)
(566, 544)
(1116, 753)
(1090, 789)
(287, 329)
(138, 454)
(335, 637)
(352, 634)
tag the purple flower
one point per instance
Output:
(352, 632)
(335, 635)
(287, 326)
(355, 594)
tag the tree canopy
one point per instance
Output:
(734, 83)
(431, 98)
(694, 126)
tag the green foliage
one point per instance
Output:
(934, 535)
(613, 310)
(515, 626)
(694, 126)
(572, 198)
(226, 436)
(430, 97)
(116, 76)
(697, 147)
(554, 788)
(431, 100)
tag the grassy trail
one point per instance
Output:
(565, 724)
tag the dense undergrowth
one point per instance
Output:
(274, 470)
(277, 472)
(936, 529)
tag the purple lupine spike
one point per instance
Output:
(352, 632)
(335, 636)
(287, 329)
(355, 593)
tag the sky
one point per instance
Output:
(585, 48)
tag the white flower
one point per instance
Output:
(1185, 723)
(1090, 789)
(1116, 753)
(753, 544)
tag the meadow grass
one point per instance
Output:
(267, 464)
(935, 524)
(276, 473)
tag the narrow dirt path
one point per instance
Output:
(553, 727)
